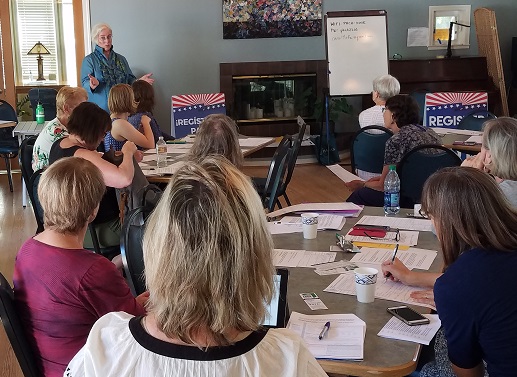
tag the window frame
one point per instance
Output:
(462, 34)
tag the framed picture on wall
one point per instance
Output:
(243, 19)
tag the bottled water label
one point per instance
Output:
(391, 199)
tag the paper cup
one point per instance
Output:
(310, 225)
(365, 280)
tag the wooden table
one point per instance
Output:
(382, 357)
(248, 144)
(449, 139)
(23, 130)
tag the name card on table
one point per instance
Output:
(189, 110)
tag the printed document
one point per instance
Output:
(343, 208)
(343, 174)
(412, 258)
(407, 238)
(384, 289)
(301, 258)
(410, 223)
(343, 341)
(396, 329)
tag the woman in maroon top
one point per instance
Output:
(60, 288)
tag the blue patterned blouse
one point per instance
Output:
(110, 142)
(109, 72)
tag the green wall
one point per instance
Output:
(181, 41)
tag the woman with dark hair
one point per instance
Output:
(475, 299)
(144, 97)
(401, 116)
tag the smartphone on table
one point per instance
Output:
(408, 316)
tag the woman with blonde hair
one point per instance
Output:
(477, 231)
(498, 155)
(121, 102)
(61, 289)
(217, 135)
(67, 100)
(209, 271)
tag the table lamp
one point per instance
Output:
(39, 49)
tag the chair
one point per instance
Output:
(276, 173)
(15, 331)
(367, 151)
(417, 165)
(150, 196)
(474, 121)
(291, 163)
(131, 249)
(8, 144)
(32, 188)
(47, 98)
(419, 96)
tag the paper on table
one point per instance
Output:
(407, 237)
(343, 174)
(387, 290)
(170, 169)
(334, 222)
(276, 227)
(456, 131)
(412, 258)
(253, 141)
(344, 207)
(344, 339)
(478, 139)
(178, 148)
(423, 334)
(301, 258)
(398, 222)
(149, 157)
(333, 268)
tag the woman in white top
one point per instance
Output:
(209, 271)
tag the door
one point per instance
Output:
(7, 87)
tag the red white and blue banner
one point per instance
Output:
(448, 109)
(189, 110)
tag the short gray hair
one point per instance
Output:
(97, 28)
(386, 86)
(500, 138)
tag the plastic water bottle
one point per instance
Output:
(161, 153)
(40, 114)
(392, 192)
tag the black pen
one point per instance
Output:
(392, 260)
(325, 330)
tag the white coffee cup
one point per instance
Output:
(310, 225)
(365, 281)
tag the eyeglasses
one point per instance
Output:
(386, 238)
(105, 38)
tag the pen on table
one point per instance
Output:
(392, 260)
(325, 330)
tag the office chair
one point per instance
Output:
(417, 165)
(475, 120)
(8, 144)
(47, 98)
(367, 151)
(15, 331)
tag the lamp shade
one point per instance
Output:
(38, 49)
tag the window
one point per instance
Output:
(51, 23)
(440, 18)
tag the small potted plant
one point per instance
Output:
(20, 111)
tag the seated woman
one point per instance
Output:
(208, 289)
(60, 289)
(66, 100)
(477, 231)
(217, 135)
(401, 117)
(121, 103)
(144, 97)
(87, 126)
(498, 155)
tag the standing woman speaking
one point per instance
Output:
(104, 68)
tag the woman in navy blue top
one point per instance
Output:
(475, 296)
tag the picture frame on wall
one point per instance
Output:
(246, 19)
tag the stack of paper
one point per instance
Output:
(398, 222)
(396, 329)
(343, 341)
(340, 208)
